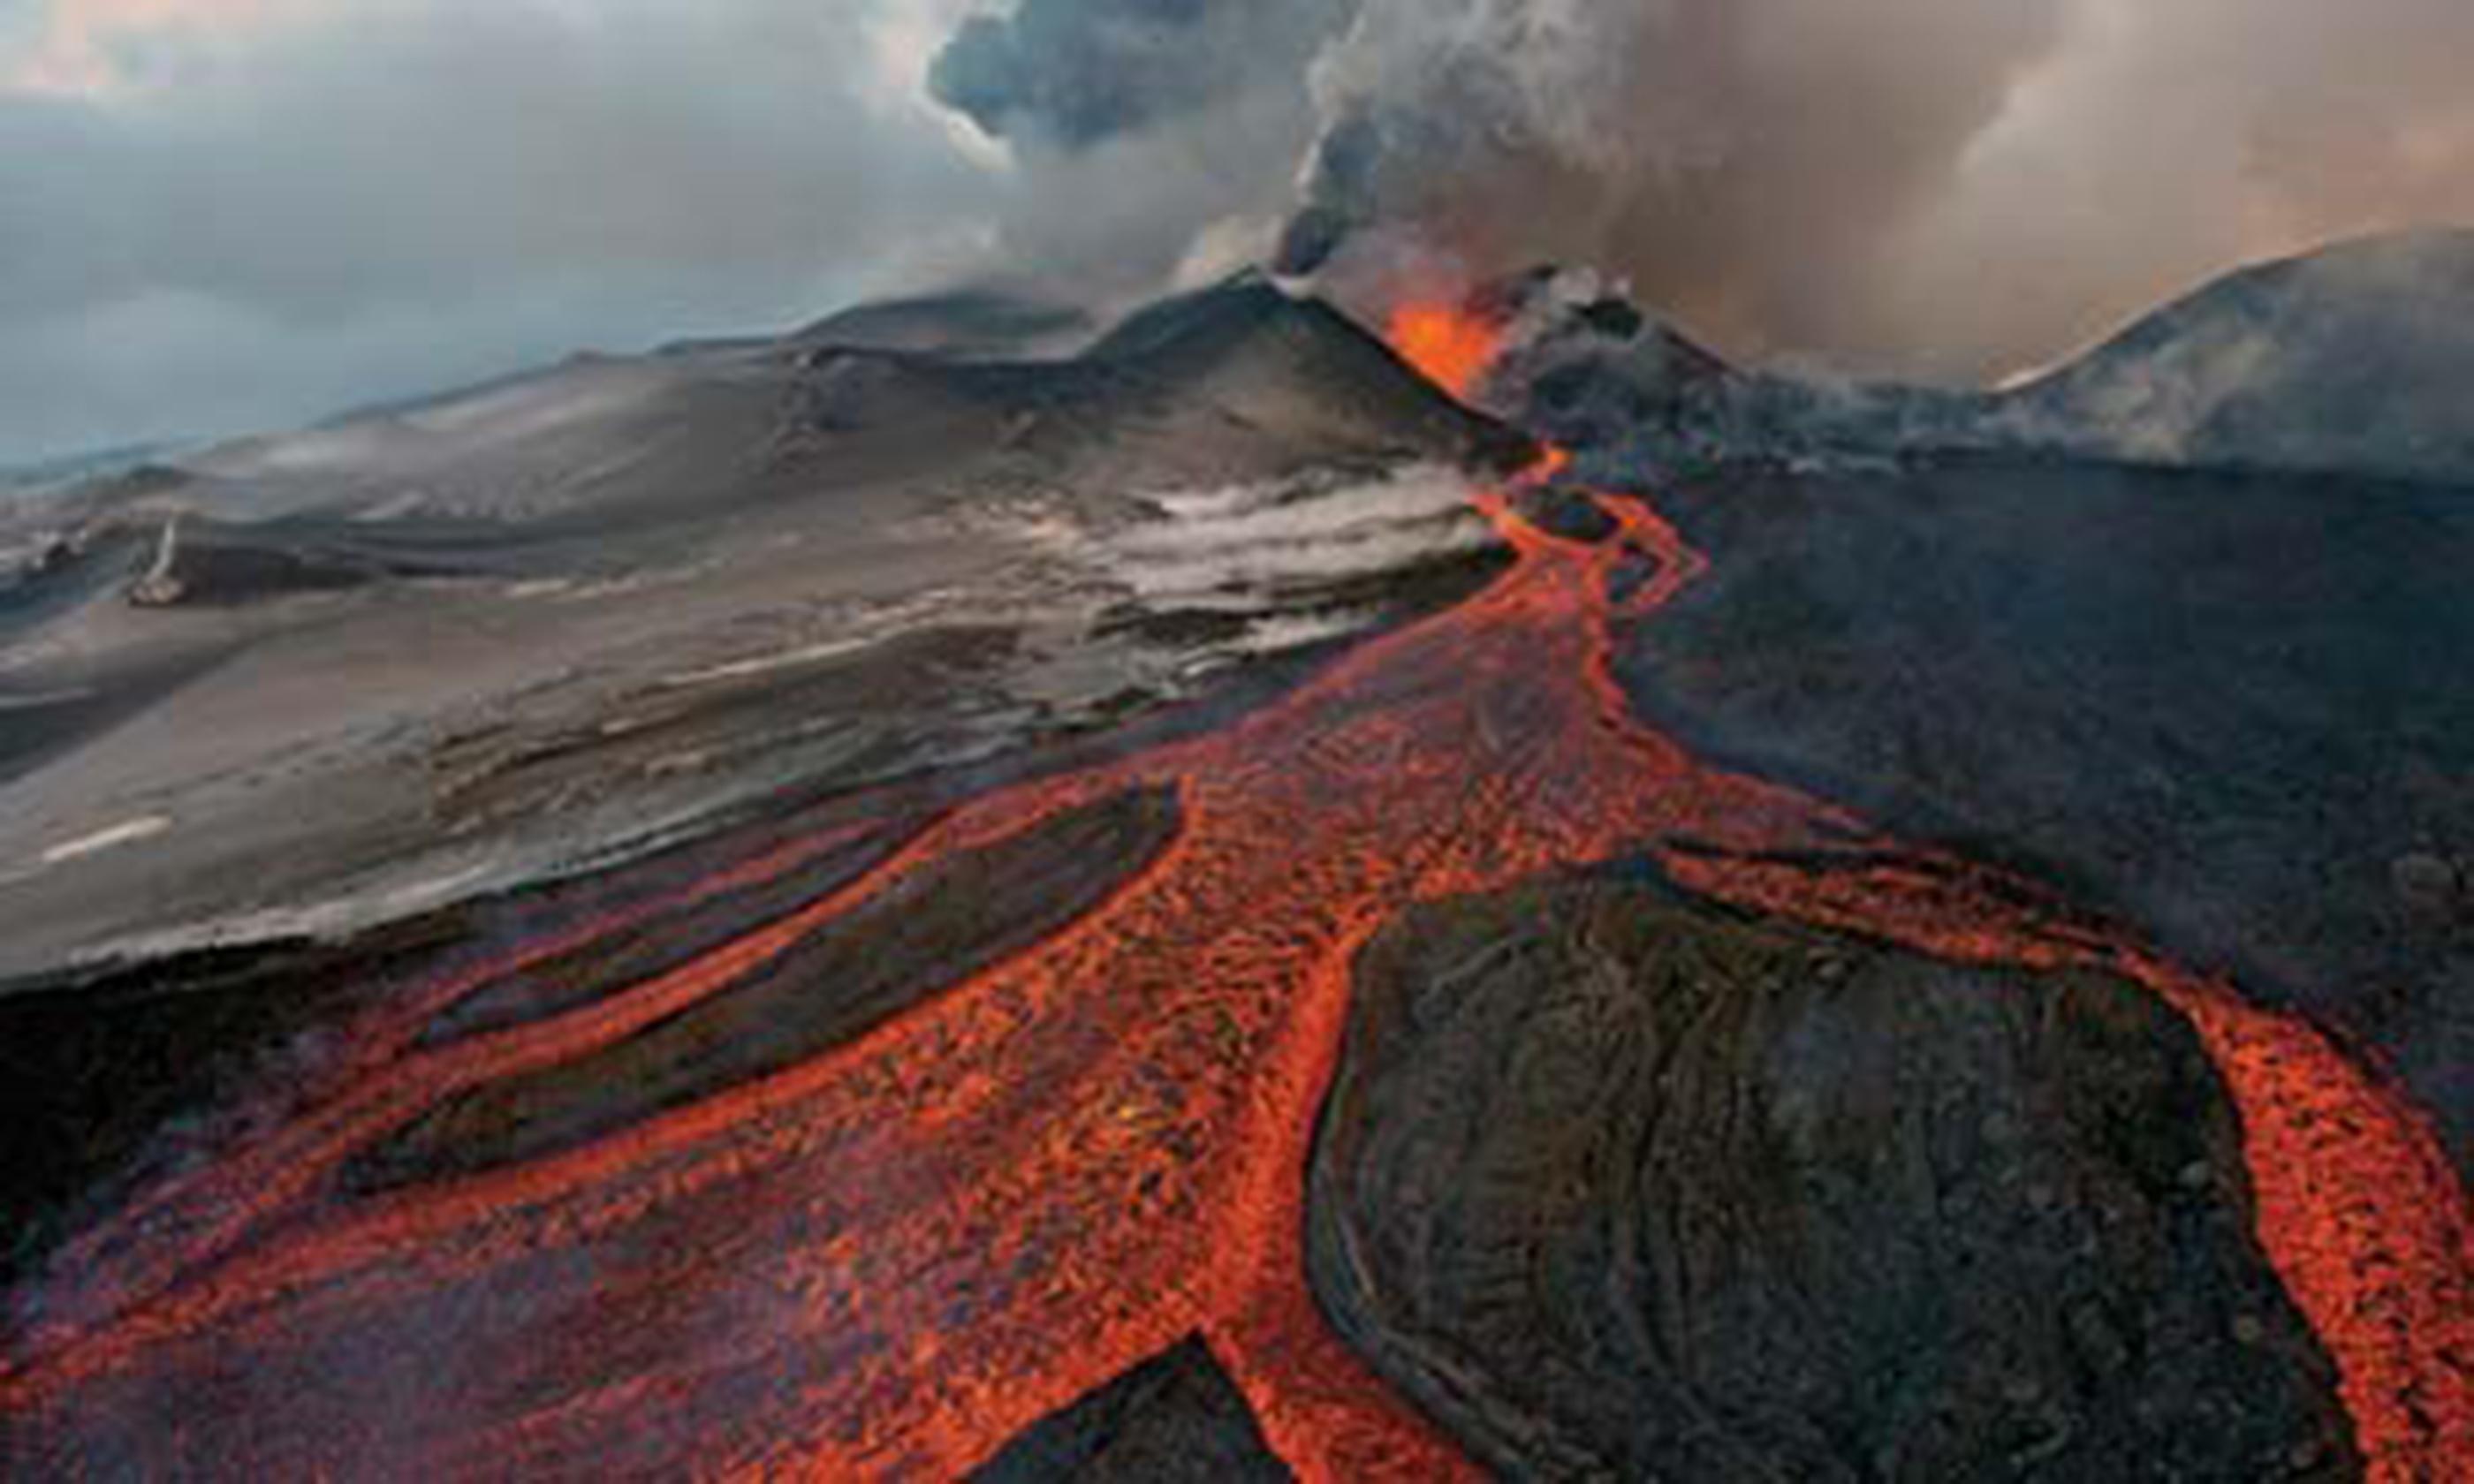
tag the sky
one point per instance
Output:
(226, 215)
(221, 215)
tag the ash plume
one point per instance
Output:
(1940, 188)
(1143, 133)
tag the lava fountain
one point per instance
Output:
(889, 1259)
(1449, 345)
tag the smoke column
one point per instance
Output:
(1939, 188)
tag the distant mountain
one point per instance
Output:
(478, 638)
(41, 475)
(1598, 374)
(966, 322)
(1248, 355)
(1236, 382)
(2354, 360)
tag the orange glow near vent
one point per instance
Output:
(1449, 346)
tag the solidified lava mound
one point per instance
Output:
(887, 955)
(1617, 1186)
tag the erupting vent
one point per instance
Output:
(1449, 345)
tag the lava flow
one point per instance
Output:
(890, 1258)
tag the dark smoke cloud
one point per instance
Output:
(224, 214)
(1077, 72)
(1148, 139)
(1743, 162)
(2166, 141)
(1938, 188)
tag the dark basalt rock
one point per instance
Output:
(103, 1070)
(117, 1072)
(1618, 1186)
(2232, 711)
(1564, 512)
(922, 934)
(1172, 1419)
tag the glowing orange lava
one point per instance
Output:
(892, 1258)
(1449, 345)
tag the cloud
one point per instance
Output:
(1147, 140)
(1076, 72)
(2167, 142)
(1745, 163)
(1944, 189)
(90, 47)
(222, 214)
(265, 213)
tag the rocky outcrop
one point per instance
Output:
(2229, 710)
(1619, 1185)
(1169, 1421)
(2352, 361)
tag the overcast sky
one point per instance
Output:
(224, 215)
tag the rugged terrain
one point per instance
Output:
(957, 892)
(2229, 708)
(309, 681)
(1620, 1186)
(2349, 362)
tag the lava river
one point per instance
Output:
(889, 1259)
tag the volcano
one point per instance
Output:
(2341, 363)
(1194, 909)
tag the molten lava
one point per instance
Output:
(891, 1259)
(1449, 345)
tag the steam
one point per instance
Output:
(1151, 140)
(2167, 142)
(230, 215)
(1944, 189)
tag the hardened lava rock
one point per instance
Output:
(1174, 1419)
(1618, 1186)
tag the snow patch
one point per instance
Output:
(110, 838)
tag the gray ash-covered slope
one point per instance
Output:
(2357, 359)
(432, 667)
(1274, 360)
(293, 682)
(2352, 359)
(201, 561)
(52, 475)
(1617, 1186)
(983, 323)
(2233, 712)
(1192, 382)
